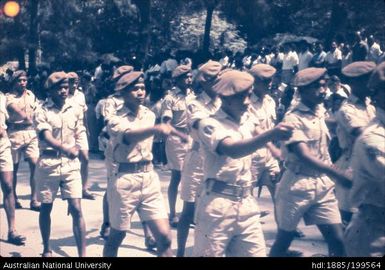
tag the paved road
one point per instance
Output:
(63, 243)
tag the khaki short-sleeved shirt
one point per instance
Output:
(199, 108)
(26, 102)
(264, 111)
(351, 115)
(211, 132)
(124, 121)
(310, 128)
(65, 123)
(112, 104)
(174, 107)
(368, 163)
(79, 99)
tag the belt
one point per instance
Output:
(135, 167)
(52, 153)
(223, 188)
(301, 169)
(19, 126)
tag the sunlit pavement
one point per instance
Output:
(63, 242)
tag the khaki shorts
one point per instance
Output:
(176, 151)
(342, 193)
(24, 141)
(6, 164)
(128, 193)
(365, 234)
(226, 227)
(83, 143)
(52, 173)
(309, 197)
(192, 176)
(265, 172)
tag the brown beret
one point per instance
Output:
(181, 70)
(211, 68)
(127, 79)
(262, 71)
(17, 74)
(232, 82)
(357, 69)
(72, 75)
(120, 71)
(308, 75)
(377, 79)
(56, 78)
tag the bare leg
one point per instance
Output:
(78, 225)
(8, 199)
(113, 243)
(84, 159)
(333, 234)
(186, 218)
(173, 193)
(35, 204)
(282, 243)
(161, 230)
(45, 225)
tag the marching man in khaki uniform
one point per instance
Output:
(174, 112)
(21, 105)
(205, 104)
(353, 116)
(227, 215)
(365, 234)
(77, 97)
(135, 185)
(60, 128)
(6, 174)
(305, 189)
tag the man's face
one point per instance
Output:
(60, 92)
(21, 83)
(135, 95)
(239, 103)
(333, 46)
(184, 81)
(73, 84)
(262, 87)
(315, 93)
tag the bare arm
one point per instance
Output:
(302, 151)
(241, 148)
(14, 109)
(134, 136)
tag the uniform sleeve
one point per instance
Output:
(211, 133)
(41, 121)
(370, 156)
(80, 130)
(116, 128)
(299, 132)
(82, 101)
(195, 112)
(166, 110)
(10, 99)
(345, 118)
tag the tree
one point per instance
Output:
(210, 6)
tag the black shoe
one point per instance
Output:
(150, 243)
(18, 205)
(16, 239)
(47, 254)
(293, 253)
(35, 206)
(105, 231)
(88, 196)
(299, 234)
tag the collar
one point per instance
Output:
(355, 100)
(50, 104)
(125, 111)
(305, 109)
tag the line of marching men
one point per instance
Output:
(220, 141)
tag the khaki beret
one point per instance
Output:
(232, 82)
(72, 75)
(55, 78)
(120, 71)
(127, 79)
(262, 71)
(181, 70)
(357, 69)
(17, 74)
(211, 68)
(377, 79)
(307, 76)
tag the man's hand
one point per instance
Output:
(164, 129)
(282, 132)
(28, 120)
(72, 152)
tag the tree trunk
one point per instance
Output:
(33, 35)
(206, 37)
